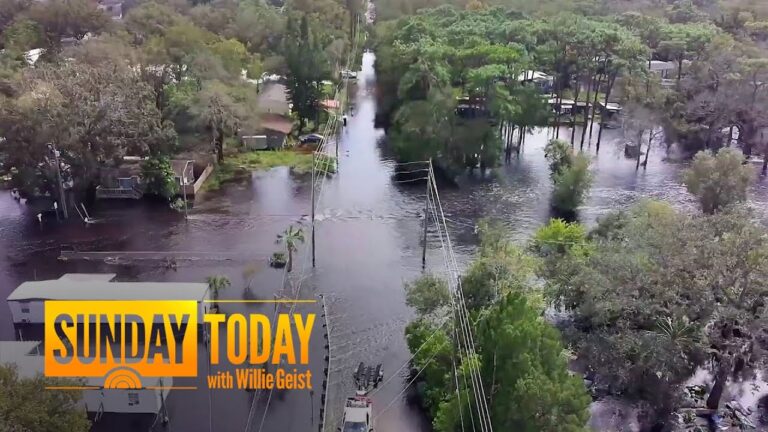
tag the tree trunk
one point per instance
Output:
(520, 138)
(721, 377)
(290, 260)
(558, 103)
(639, 149)
(679, 71)
(765, 163)
(220, 143)
(586, 111)
(611, 81)
(577, 93)
(650, 141)
(508, 145)
(594, 104)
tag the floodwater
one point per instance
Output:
(368, 238)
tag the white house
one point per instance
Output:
(150, 398)
(541, 80)
(28, 299)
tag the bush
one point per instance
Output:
(159, 177)
(718, 181)
(572, 184)
(559, 156)
(557, 237)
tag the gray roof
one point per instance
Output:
(657, 65)
(89, 277)
(273, 98)
(68, 289)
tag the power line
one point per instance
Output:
(460, 309)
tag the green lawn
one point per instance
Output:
(301, 163)
(239, 165)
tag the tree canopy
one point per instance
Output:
(25, 404)
(520, 356)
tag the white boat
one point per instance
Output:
(357, 415)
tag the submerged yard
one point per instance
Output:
(238, 165)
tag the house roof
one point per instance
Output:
(273, 98)
(68, 289)
(89, 277)
(534, 76)
(277, 123)
(657, 65)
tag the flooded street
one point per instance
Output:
(368, 243)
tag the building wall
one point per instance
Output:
(35, 314)
(123, 401)
(275, 140)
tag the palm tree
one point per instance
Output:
(291, 237)
(216, 284)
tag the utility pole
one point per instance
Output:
(184, 191)
(55, 153)
(314, 159)
(426, 218)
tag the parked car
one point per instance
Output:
(348, 74)
(311, 139)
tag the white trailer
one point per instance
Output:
(27, 358)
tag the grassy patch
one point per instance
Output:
(300, 163)
(239, 165)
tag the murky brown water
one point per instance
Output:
(368, 244)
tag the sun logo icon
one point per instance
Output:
(122, 378)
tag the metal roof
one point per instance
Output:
(23, 356)
(68, 289)
(89, 277)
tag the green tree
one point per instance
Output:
(433, 351)
(25, 404)
(233, 55)
(159, 177)
(94, 115)
(681, 41)
(572, 184)
(719, 180)
(519, 355)
(291, 238)
(151, 19)
(662, 293)
(218, 112)
(60, 19)
(559, 155)
(558, 237)
(427, 294)
(307, 67)
(526, 372)
(22, 35)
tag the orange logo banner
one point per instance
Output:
(121, 341)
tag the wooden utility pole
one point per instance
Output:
(314, 159)
(426, 218)
(63, 199)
